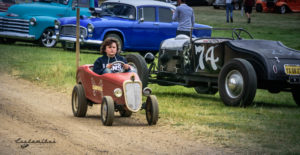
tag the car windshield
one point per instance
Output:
(118, 10)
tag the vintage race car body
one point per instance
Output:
(120, 92)
(139, 26)
(235, 67)
(280, 6)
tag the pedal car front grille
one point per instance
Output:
(133, 95)
(70, 31)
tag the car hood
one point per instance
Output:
(36, 9)
(266, 48)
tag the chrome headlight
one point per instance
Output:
(56, 24)
(90, 28)
(147, 91)
(32, 21)
(118, 92)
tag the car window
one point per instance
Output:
(165, 15)
(148, 13)
(119, 10)
(81, 3)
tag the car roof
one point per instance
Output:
(142, 2)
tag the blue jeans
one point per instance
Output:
(228, 8)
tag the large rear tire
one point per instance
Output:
(138, 63)
(79, 101)
(152, 110)
(237, 83)
(107, 111)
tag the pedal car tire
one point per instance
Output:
(125, 113)
(296, 97)
(237, 83)
(152, 110)
(79, 101)
(107, 111)
(139, 63)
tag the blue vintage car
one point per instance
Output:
(138, 25)
(34, 22)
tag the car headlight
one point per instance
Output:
(32, 21)
(56, 24)
(147, 91)
(90, 28)
(118, 92)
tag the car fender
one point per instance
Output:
(42, 23)
(113, 30)
(279, 4)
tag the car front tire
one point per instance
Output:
(152, 110)
(79, 101)
(237, 83)
(46, 38)
(107, 111)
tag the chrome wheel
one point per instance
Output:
(46, 38)
(234, 84)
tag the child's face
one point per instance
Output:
(111, 50)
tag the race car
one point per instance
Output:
(116, 92)
(234, 66)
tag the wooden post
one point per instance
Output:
(77, 37)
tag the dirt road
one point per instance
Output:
(35, 120)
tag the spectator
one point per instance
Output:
(248, 5)
(185, 17)
(229, 9)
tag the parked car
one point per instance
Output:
(234, 66)
(280, 6)
(237, 4)
(34, 22)
(116, 92)
(139, 26)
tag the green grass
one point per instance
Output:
(270, 125)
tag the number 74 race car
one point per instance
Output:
(234, 66)
(116, 92)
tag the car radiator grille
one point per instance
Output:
(70, 31)
(133, 92)
(14, 25)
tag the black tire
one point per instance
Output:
(282, 9)
(46, 38)
(259, 8)
(125, 113)
(107, 111)
(117, 37)
(296, 93)
(137, 62)
(7, 41)
(242, 89)
(152, 110)
(79, 101)
(205, 90)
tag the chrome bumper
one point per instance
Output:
(15, 35)
(71, 39)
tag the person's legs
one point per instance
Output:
(231, 13)
(227, 11)
(106, 70)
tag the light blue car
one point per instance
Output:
(139, 25)
(34, 22)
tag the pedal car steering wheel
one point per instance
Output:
(236, 34)
(117, 67)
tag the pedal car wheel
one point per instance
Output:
(138, 63)
(152, 110)
(295, 93)
(125, 113)
(107, 111)
(237, 83)
(79, 102)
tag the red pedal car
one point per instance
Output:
(116, 92)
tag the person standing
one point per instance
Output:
(229, 9)
(248, 5)
(185, 17)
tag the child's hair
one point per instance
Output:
(108, 42)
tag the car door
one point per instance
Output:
(167, 28)
(145, 29)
